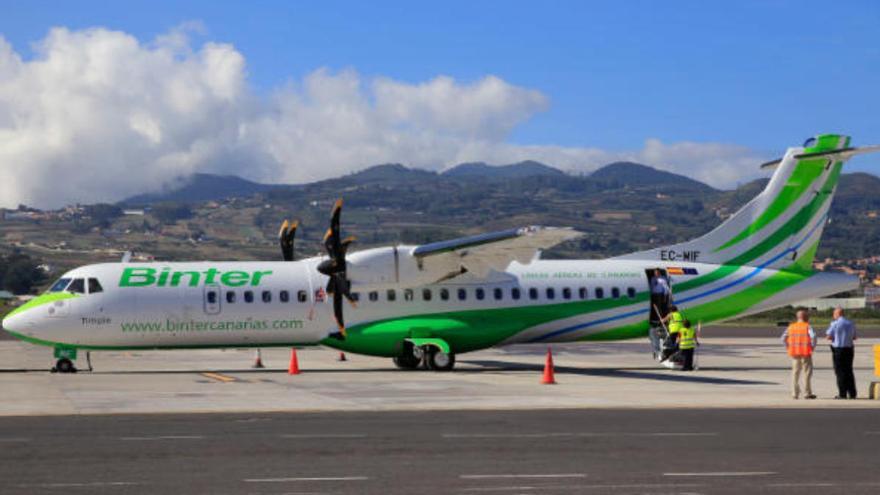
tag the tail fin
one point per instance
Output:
(781, 226)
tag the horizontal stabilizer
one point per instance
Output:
(841, 154)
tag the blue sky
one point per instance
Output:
(762, 75)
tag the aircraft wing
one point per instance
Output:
(481, 253)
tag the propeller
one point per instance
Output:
(338, 284)
(285, 238)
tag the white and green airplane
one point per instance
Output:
(426, 304)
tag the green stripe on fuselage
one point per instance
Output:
(805, 172)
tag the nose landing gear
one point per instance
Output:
(64, 365)
(65, 357)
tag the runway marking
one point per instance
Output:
(495, 476)
(800, 485)
(81, 485)
(323, 435)
(577, 435)
(724, 473)
(163, 437)
(582, 487)
(219, 377)
(288, 480)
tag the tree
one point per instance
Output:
(19, 273)
(171, 212)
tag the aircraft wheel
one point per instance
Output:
(65, 365)
(440, 361)
(406, 362)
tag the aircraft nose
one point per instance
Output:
(12, 323)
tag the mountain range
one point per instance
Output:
(205, 187)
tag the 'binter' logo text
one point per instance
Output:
(152, 277)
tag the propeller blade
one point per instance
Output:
(286, 237)
(337, 313)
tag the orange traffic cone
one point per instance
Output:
(293, 369)
(342, 357)
(258, 360)
(549, 378)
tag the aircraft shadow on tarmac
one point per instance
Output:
(637, 373)
(486, 366)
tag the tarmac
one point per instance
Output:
(733, 373)
(542, 452)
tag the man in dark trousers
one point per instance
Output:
(842, 335)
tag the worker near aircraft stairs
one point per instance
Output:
(687, 344)
(800, 341)
(673, 322)
(661, 294)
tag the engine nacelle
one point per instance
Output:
(389, 267)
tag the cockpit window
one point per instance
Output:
(60, 285)
(78, 286)
(95, 286)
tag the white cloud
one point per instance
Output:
(98, 115)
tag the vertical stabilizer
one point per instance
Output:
(780, 227)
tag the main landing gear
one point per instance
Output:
(429, 356)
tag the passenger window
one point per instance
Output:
(533, 293)
(515, 293)
(583, 292)
(631, 292)
(355, 296)
(95, 286)
(391, 295)
(426, 294)
(480, 293)
(600, 293)
(301, 296)
(551, 293)
(444, 294)
(615, 293)
(230, 297)
(408, 295)
(284, 296)
(60, 285)
(499, 293)
(212, 297)
(78, 286)
(374, 296)
(462, 294)
(248, 296)
(267, 296)
(566, 293)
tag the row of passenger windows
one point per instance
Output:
(444, 294)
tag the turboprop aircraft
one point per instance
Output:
(426, 304)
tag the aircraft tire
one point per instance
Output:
(440, 361)
(65, 365)
(406, 362)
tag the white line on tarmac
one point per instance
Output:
(491, 476)
(163, 437)
(287, 480)
(80, 485)
(582, 487)
(800, 485)
(325, 435)
(724, 473)
(577, 434)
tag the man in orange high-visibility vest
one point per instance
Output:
(800, 340)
